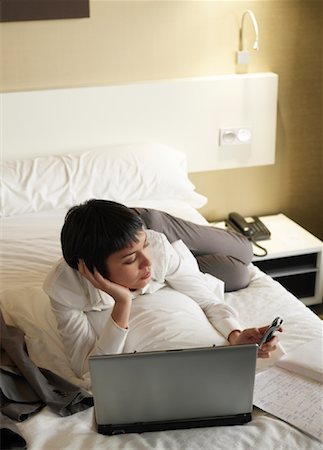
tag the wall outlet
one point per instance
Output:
(235, 136)
(243, 57)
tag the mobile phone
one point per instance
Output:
(274, 326)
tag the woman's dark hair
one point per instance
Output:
(95, 229)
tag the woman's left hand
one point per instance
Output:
(253, 336)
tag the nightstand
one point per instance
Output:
(295, 258)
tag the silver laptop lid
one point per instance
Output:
(173, 385)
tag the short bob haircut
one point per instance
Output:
(95, 229)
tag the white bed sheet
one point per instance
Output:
(30, 245)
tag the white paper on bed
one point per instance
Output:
(291, 397)
(306, 360)
(293, 389)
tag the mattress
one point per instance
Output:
(30, 245)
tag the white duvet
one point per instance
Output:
(30, 245)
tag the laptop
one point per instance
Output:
(164, 390)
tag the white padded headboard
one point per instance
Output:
(187, 114)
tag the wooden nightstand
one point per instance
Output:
(295, 258)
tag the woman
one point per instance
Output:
(109, 259)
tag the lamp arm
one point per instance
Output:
(256, 28)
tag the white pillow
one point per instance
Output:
(123, 173)
(29, 309)
(167, 319)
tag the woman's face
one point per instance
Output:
(131, 266)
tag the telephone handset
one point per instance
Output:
(251, 227)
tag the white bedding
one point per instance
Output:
(29, 246)
(30, 228)
(36, 237)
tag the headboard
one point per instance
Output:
(187, 114)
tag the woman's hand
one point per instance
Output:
(121, 295)
(118, 292)
(253, 336)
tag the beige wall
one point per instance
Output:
(143, 40)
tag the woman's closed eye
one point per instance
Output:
(132, 257)
(130, 261)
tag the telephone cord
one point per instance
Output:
(259, 246)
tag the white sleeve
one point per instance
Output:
(183, 274)
(79, 336)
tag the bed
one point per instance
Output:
(36, 195)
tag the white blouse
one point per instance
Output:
(83, 312)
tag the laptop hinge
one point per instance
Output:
(141, 427)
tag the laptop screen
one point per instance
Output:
(173, 385)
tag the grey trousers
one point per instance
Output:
(222, 253)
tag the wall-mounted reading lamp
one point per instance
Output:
(242, 54)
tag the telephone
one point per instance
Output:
(251, 227)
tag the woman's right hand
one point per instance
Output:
(120, 294)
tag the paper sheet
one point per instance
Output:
(291, 397)
(306, 360)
